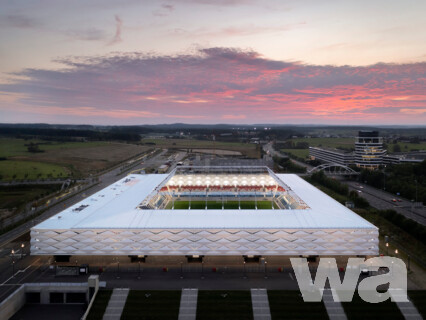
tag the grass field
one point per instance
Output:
(247, 149)
(359, 309)
(181, 205)
(30, 170)
(224, 305)
(16, 147)
(150, 305)
(16, 196)
(300, 153)
(418, 297)
(328, 142)
(404, 146)
(290, 305)
(77, 158)
(99, 306)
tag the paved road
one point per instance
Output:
(271, 151)
(382, 200)
(28, 269)
(268, 148)
(38, 182)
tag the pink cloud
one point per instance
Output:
(234, 116)
(218, 84)
(118, 27)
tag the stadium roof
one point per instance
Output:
(116, 207)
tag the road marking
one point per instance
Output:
(20, 271)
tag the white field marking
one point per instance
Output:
(291, 276)
(20, 271)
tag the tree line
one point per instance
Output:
(409, 180)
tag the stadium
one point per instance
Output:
(207, 211)
(223, 188)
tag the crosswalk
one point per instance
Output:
(116, 304)
(260, 304)
(188, 304)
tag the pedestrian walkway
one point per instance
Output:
(334, 309)
(408, 310)
(116, 304)
(260, 304)
(188, 304)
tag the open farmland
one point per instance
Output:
(62, 159)
(406, 146)
(300, 153)
(18, 147)
(31, 170)
(344, 143)
(339, 143)
(246, 149)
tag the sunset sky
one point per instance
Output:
(213, 61)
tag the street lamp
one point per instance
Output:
(416, 189)
(202, 269)
(384, 180)
(13, 263)
(118, 268)
(266, 274)
(396, 252)
(244, 273)
(22, 250)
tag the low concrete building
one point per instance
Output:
(328, 155)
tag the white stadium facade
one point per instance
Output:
(207, 211)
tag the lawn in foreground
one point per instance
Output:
(152, 305)
(217, 305)
(359, 309)
(290, 305)
(182, 205)
(418, 297)
(100, 304)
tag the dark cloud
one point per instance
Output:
(19, 21)
(213, 83)
(164, 10)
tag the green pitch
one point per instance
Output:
(182, 205)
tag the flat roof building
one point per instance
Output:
(328, 155)
(207, 211)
